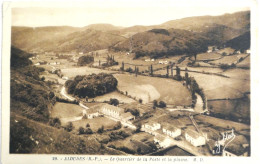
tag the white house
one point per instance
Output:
(37, 63)
(152, 126)
(248, 51)
(90, 113)
(65, 78)
(163, 62)
(171, 131)
(162, 141)
(195, 138)
(111, 110)
(80, 53)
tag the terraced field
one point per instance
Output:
(152, 88)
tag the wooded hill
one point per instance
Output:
(213, 30)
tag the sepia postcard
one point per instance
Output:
(130, 81)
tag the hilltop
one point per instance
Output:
(216, 30)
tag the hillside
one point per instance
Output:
(103, 27)
(88, 40)
(238, 20)
(28, 38)
(31, 102)
(32, 137)
(241, 42)
(161, 42)
(30, 96)
(215, 29)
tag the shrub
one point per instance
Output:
(81, 130)
(114, 102)
(55, 122)
(162, 104)
(101, 129)
(69, 127)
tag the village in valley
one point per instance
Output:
(129, 103)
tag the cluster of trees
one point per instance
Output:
(194, 88)
(84, 60)
(110, 61)
(91, 85)
(134, 112)
(161, 104)
(114, 102)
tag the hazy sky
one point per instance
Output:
(123, 13)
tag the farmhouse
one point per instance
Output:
(237, 147)
(195, 138)
(162, 141)
(171, 131)
(150, 127)
(112, 111)
(163, 62)
(248, 51)
(90, 113)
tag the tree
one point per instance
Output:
(151, 71)
(114, 102)
(162, 104)
(87, 126)
(155, 103)
(81, 130)
(123, 66)
(140, 101)
(118, 125)
(55, 122)
(138, 127)
(88, 131)
(101, 129)
(69, 127)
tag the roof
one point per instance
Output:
(104, 105)
(127, 115)
(193, 134)
(91, 110)
(112, 107)
(160, 137)
(237, 146)
(169, 127)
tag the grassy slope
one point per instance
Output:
(151, 88)
(43, 139)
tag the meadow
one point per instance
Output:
(153, 88)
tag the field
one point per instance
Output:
(62, 110)
(239, 108)
(115, 95)
(245, 63)
(37, 138)
(137, 141)
(74, 71)
(229, 59)
(94, 123)
(208, 56)
(237, 73)
(152, 88)
(216, 87)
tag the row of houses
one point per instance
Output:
(108, 110)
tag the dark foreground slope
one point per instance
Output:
(31, 101)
